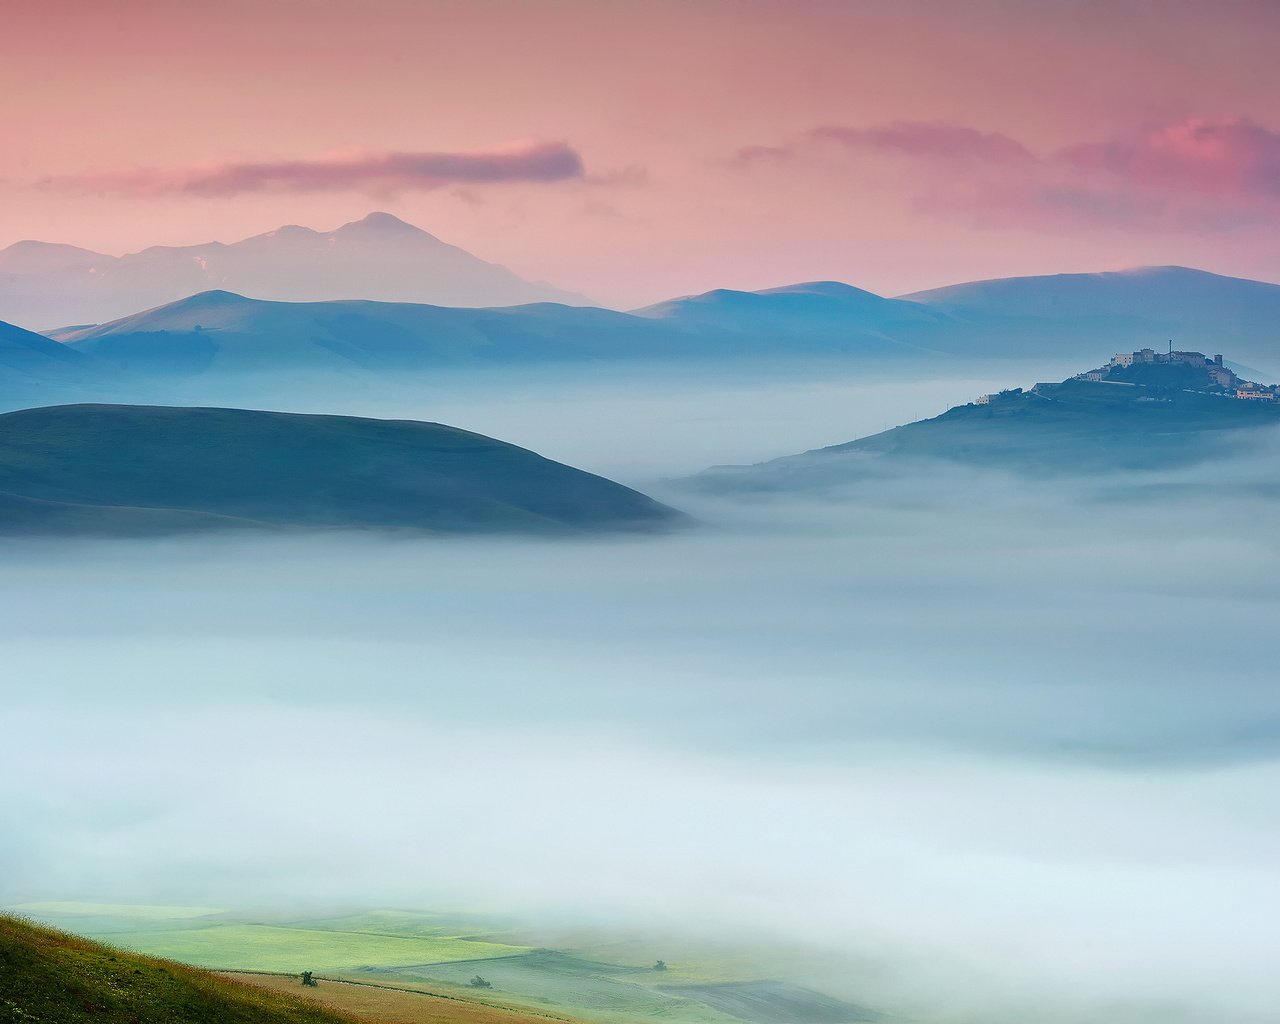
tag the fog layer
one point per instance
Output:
(1000, 744)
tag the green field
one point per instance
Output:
(271, 948)
(591, 976)
(564, 983)
(205, 938)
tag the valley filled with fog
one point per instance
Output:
(974, 744)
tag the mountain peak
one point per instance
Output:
(824, 289)
(379, 257)
(213, 297)
(382, 223)
(32, 257)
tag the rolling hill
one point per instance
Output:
(45, 285)
(26, 353)
(1194, 308)
(1145, 421)
(142, 470)
(219, 331)
(826, 315)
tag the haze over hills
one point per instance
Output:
(45, 285)
(221, 331)
(1066, 316)
(1150, 292)
(838, 316)
(1193, 308)
(147, 469)
(26, 354)
(1041, 319)
(218, 330)
(1141, 417)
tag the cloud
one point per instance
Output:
(928, 140)
(756, 154)
(1224, 158)
(931, 140)
(382, 173)
(971, 730)
(1206, 174)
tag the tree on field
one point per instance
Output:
(307, 979)
(479, 982)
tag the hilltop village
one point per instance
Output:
(1173, 371)
(1218, 378)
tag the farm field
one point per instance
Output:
(380, 1005)
(272, 948)
(603, 991)
(776, 1002)
(562, 983)
(207, 939)
(595, 977)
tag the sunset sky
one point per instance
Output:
(634, 151)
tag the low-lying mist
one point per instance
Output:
(633, 421)
(992, 744)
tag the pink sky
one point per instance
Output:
(634, 151)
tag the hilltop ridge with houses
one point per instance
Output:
(1169, 372)
(1142, 411)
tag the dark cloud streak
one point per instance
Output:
(391, 172)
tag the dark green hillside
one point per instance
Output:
(50, 977)
(147, 469)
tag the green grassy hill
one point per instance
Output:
(51, 977)
(120, 469)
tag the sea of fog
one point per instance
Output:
(1009, 749)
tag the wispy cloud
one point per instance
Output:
(928, 140)
(931, 140)
(381, 172)
(1212, 174)
(1238, 157)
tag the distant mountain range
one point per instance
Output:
(818, 315)
(1145, 417)
(1085, 317)
(45, 285)
(1189, 299)
(1193, 309)
(220, 331)
(140, 470)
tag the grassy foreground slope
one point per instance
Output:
(52, 977)
(151, 469)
